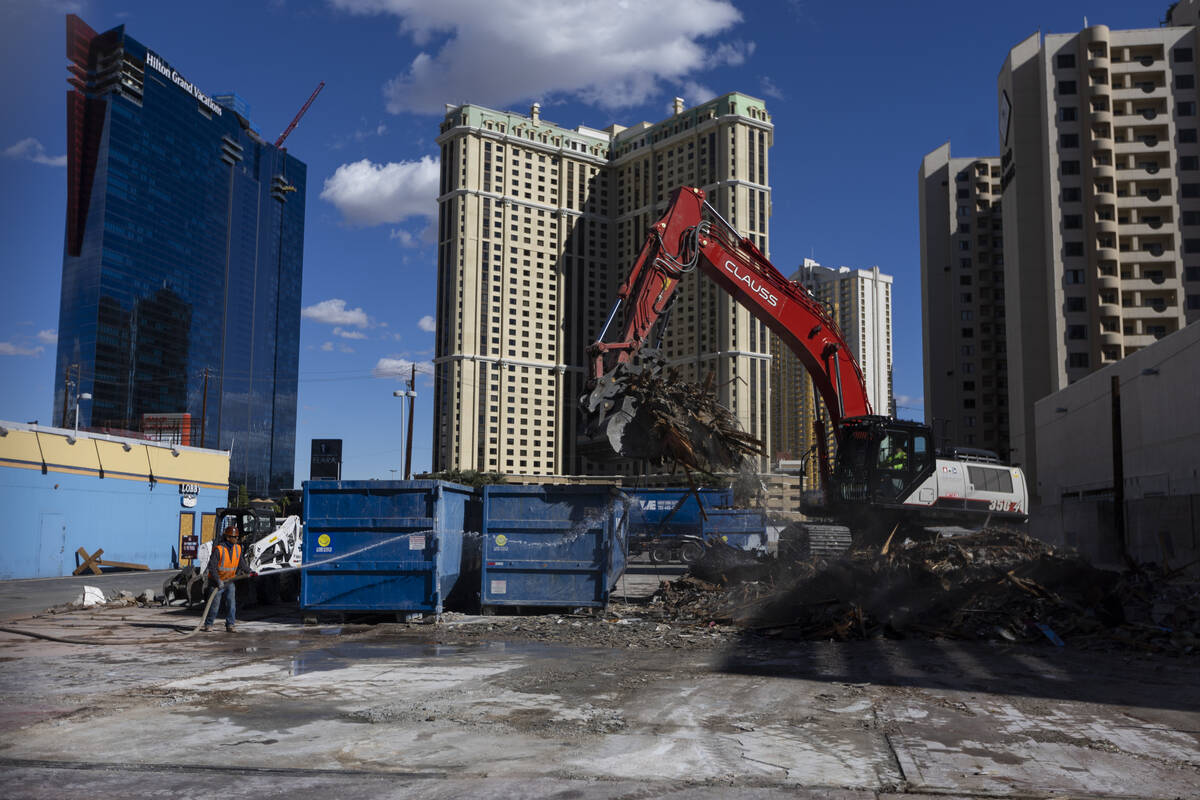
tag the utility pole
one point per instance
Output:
(412, 401)
(66, 395)
(204, 407)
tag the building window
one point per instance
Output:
(1193, 302)
(1191, 246)
(1073, 276)
(1071, 194)
(1191, 273)
(1076, 331)
(1185, 82)
(1066, 87)
(1076, 304)
(1187, 135)
(1183, 55)
(1072, 248)
(1067, 113)
(1189, 163)
(1072, 221)
(1185, 109)
(1068, 141)
(1190, 189)
(1070, 168)
(1077, 360)
(1065, 61)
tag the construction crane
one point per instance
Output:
(296, 120)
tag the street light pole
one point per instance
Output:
(84, 396)
(412, 413)
(403, 394)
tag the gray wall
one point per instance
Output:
(1160, 432)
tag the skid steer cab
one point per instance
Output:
(190, 584)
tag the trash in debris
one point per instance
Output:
(990, 585)
(91, 596)
(661, 418)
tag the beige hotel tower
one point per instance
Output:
(537, 227)
(1100, 176)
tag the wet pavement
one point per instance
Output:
(509, 707)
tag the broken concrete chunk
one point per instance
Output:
(91, 596)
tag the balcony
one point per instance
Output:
(1106, 226)
(1111, 339)
(1110, 282)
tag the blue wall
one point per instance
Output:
(45, 518)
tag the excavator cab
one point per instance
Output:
(880, 460)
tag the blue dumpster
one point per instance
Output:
(740, 528)
(551, 545)
(383, 545)
(671, 512)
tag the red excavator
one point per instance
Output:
(886, 472)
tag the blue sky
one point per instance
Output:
(858, 94)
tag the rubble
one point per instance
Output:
(95, 598)
(991, 585)
(679, 422)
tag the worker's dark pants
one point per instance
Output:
(229, 594)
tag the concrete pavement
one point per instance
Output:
(398, 711)
(30, 596)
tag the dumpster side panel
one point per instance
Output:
(381, 545)
(744, 529)
(549, 545)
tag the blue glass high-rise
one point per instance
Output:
(182, 263)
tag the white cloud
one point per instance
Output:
(365, 132)
(406, 238)
(33, 150)
(400, 367)
(334, 312)
(327, 347)
(10, 349)
(908, 401)
(695, 93)
(427, 323)
(612, 55)
(345, 334)
(372, 194)
(48, 336)
(732, 53)
(769, 89)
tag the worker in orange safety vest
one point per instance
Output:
(225, 562)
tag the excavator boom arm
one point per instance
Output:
(692, 234)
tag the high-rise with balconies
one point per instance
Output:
(860, 300)
(962, 301)
(538, 225)
(1100, 177)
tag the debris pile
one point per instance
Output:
(996, 585)
(94, 597)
